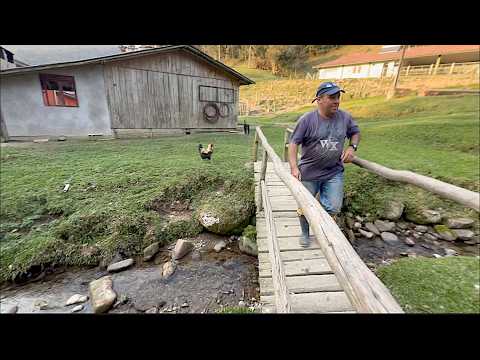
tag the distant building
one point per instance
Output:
(8, 61)
(418, 59)
(171, 89)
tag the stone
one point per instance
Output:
(185, 305)
(357, 225)
(384, 226)
(423, 216)
(445, 233)
(241, 303)
(416, 235)
(404, 254)
(389, 238)
(393, 210)
(120, 266)
(102, 295)
(77, 308)
(182, 248)
(61, 138)
(248, 245)
(41, 304)
(421, 228)
(372, 228)
(463, 234)
(429, 237)
(168, 269)
(459, 223)
(75, 299)
(437, 256)
(219, 246)
(196, 255)
(9, 309)
(150, 251)
(349, 222)
(359, 218)
(409, 241)
(450, 252)
(153, 310)
(402, 225)
(367, 234)
(351, 235)
(223, 213)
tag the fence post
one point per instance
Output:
(451, 68)
(255, 147)
(286, 136)
(431, 69)
(408, 70)
(263, 172)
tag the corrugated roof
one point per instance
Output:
(243, 79)
(415, 52)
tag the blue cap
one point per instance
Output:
(327, 88)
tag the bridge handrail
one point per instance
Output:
(460, 195)
(365, 291)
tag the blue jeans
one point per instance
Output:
(331, 192)
(331, 199)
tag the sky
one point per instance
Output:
(47, 54)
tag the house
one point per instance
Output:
(8, 61)
(166, 90)
(420, 60)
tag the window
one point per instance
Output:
(58, 90)
(356, 69)
(216, 94)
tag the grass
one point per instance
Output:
(41, 224)
(235, 310)
(424, 285)
(256, 75)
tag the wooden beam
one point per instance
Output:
(282, 297)
(365, 291)
(448, 191)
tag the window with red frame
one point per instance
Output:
(58, 90)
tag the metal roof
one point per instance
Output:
(100, 60)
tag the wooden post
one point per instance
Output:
(263, 172)
(397, 75)
(437, 63)
(431, 69)
(451, 68)
(408, 70)
(285, 145)
(255, 147)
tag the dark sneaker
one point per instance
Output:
(304, 241)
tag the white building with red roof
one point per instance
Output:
(426, 60)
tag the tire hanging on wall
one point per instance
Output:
(211, 112)
(224, 110)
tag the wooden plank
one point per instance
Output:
(318, 302)
(303, 284)
(295, 255)
(287, 243)
(285, 231)
(297, 268)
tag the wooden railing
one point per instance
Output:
(460, 195)
(365, 291)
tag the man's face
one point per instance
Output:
(329, 103)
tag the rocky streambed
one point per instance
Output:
(209, 276)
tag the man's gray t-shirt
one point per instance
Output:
(322, 141)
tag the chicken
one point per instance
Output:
(205, 154)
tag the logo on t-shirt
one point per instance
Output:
(329, 144)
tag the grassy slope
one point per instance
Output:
(447, 285)
(129, 174)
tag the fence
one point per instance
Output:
(441, 69)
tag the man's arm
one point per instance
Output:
(349, 153)
(292, 159)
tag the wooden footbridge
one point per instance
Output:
(329, 276)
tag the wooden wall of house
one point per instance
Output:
(161, 91)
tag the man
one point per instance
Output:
(322, 134)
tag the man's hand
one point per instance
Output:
(348, 155)
(296, 173)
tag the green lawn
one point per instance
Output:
(256, 75)
(40, 223)
(447, 285)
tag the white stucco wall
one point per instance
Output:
(365, 71)
(26, 115)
